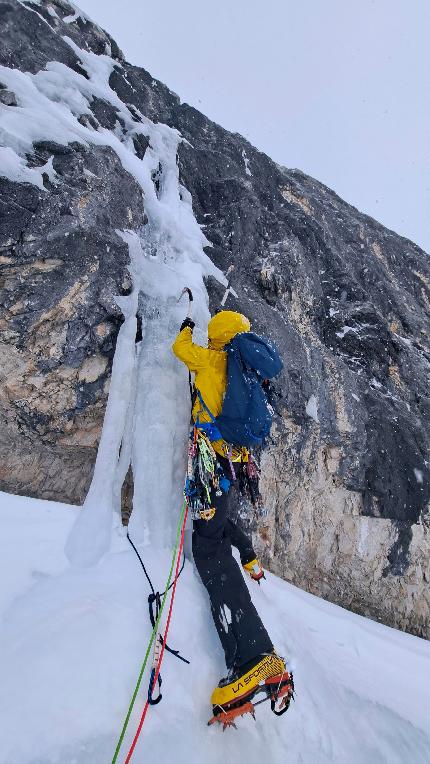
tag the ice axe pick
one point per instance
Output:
(187, 290)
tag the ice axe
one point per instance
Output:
(229, 288)
(187, 290)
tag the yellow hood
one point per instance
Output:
(224, 326)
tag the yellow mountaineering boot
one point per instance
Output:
(267, 667)
(267, 674)
(254, 569)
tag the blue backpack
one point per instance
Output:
(245, 419)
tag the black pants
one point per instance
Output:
(240, 629)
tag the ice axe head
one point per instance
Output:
(187, 290)
(228, 288)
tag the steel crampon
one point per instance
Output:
(277, 688)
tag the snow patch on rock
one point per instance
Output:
(312, 408)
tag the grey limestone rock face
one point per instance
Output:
(345, 474)
(61, 264)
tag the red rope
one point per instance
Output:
(157, 670)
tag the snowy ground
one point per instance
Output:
(72, 641)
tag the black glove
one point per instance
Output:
(187, 322)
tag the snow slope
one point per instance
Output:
(72, 641)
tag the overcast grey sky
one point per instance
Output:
(337, 88)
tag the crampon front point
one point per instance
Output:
(278, 689)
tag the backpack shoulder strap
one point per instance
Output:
(200, 397)
(210, 428)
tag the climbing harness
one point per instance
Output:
(176, 555)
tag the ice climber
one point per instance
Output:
(249, 652)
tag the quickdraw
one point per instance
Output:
(249, 480)
(203, 476)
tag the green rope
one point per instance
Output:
(154, 632)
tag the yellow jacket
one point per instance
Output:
(210, 365)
